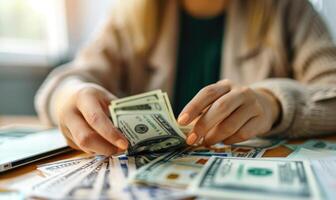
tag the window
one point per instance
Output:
(32, 30)
(318, 4)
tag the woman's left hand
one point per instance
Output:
(229, 113)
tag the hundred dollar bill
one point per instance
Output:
(87, 188)
(214, 150)
(135, 192)
(219, 150)
(148, 106)
(168, 106)
(147, 122)
(319, 145)
(123, 161)
(303, 153)
(143, 159)
(104, 182)
(113, 184)
(110, 183)
(316, 145)
(154, 95)
(185, 129)
(59, 186)
(54, 168)
(242, 178)
(247, 152)
(326, 174)
(150, 101)
(174, 170)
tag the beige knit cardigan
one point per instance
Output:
(304, 80)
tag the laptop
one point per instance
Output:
(22, 146)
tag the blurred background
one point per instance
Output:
(38, 35)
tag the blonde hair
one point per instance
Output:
(260, 19)
(143, 18)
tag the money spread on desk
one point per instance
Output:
(159, 165)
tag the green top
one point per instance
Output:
(199, 56)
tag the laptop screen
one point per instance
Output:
(16, 146)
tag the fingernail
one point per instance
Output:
(121, 144)
(183, 119)
(192, 138)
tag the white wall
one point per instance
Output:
(327, 9)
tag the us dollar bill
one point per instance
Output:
(312, 149)
(87, 188)
(62, 166)
(154, 95)
(319, 145)
(60, 185)
(148, 106)
(175, 169)
(143, 159)
(324, 169)
(150, 101)
(215, 150)
(247, 152)
(113, 184)
(303, 153)
(139, 192)
(147, 122)
(243, 178)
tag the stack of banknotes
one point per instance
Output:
(159, 164)
(148, 122)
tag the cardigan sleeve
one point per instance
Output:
(100, 62)
(308, 101)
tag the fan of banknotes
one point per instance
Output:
(159, 164)
(214, 172)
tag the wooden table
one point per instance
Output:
(19, 173)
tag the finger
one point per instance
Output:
(65, 131)
(248, 131)
(230, 125)
(99, 121)
(69, 139)
(67, 136)
(202, 100)
(71, 144)
(87, 138)
(218, 111)
(105, 101)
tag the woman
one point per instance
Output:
(262, 68)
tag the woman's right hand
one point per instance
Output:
(84, 121)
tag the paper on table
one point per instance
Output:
(325, 172)
(310, 154)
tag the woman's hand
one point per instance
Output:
(229, 113)
(84, 121)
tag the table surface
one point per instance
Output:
(30, 169)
